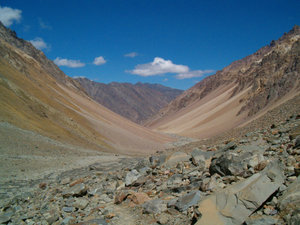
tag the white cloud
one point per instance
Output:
(192, 74)
(131, 55)
(99, 61)
(44, 25)
(8, 15)
(39, 43)
(68, 62)
(158, 66)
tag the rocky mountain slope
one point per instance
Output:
(244, 90)
(251, 180)
(137, 102)
(37, 96)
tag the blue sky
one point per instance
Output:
(171, 42)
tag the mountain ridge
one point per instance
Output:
(136, 102)
(247, 87)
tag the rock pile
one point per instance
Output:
(254, 180)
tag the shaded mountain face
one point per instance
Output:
(137, 102)
(245, 89)
(37, 96)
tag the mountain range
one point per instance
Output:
(234, 96)
(137, 102)
(37, 96)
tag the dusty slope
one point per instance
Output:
(33, 99)
(136, 102)
(244, 90)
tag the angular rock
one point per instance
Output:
(198, 158)
(175, 158)
(154, 206)
(262, 220)
(234, 204)
(81, 203)
(235, 164)
(131, 177)
(121, 196)
(5, 218)
(95, 222)
(230, 146)
(297, 142)
(68, 209)
(157, 160)
(188, 200)
(289, 202)
(139, 197)
(68, 220)
(76, 191)
(51, 217)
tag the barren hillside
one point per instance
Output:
(244, 90)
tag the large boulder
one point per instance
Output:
(233, 163)
(234, 204)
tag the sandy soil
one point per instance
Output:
(26, 155)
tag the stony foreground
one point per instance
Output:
(254, 180)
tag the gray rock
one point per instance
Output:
(198, 158)
(95, 222)
(188, 200)
(157, 160)
(76, 191)
(68, 220)
(289, 202)
(297, 142)
(174, 181)
(230, 146)
(81, 203)
(51, 217)
(68, 209)
(5, 217)
(262, 220)
(175, 158)
(234, 204)
(235, 164)
(131, 177)
(154, 206)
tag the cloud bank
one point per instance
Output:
(39, 43)
(158, 66)
(68, 62)
(99, 61)
(8, 15)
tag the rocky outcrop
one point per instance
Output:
(137, 102)
(234, 204)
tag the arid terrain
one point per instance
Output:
(226, 151)
(234, 96)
